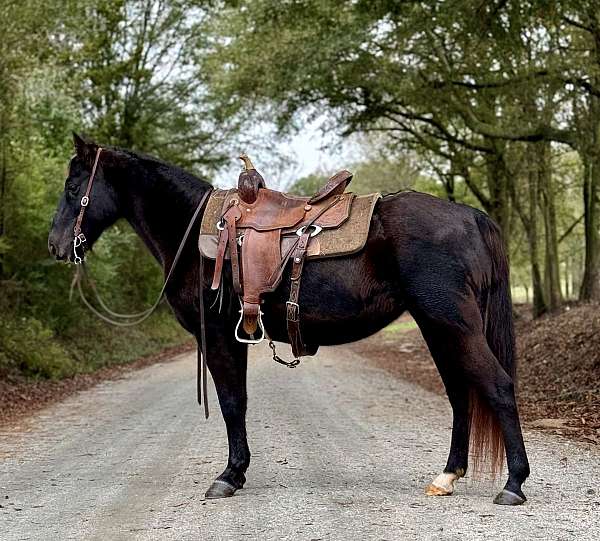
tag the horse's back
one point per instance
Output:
(434, 236)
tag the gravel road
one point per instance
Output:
(340, 451)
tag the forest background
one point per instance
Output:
(495, 104)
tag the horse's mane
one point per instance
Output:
(176, 172)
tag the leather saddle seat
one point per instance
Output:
(261, 229)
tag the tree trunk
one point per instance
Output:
(547, 204)
(529, 220)
(449, 183)
(498, 182)
(531, 228)
(567, 278)
(3, 186)
(590, 284)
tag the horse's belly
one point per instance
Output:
(341, 300)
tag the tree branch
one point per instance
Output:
(570, 229)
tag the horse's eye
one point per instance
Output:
(73, 189)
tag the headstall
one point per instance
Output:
(79, 238)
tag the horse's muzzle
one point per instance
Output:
(60, 250)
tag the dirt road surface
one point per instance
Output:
(340, 450)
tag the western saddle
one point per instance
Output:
(260, 230)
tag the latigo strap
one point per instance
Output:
(292, 306)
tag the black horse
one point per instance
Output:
(441, 261)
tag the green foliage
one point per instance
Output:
(478, 91)
(94, 346)
(135, 79)
(122, 71)
(382, 175)
(27, 345)
(33, 349)
(309, 184)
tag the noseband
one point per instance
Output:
(79, 238)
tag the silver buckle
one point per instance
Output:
(317, 230)
(79, 240)
(84, 201)
(292, 311)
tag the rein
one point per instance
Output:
(129, 320)
(137, 317)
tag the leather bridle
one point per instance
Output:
(79, 238)
(128, 320)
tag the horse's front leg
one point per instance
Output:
(227, 361)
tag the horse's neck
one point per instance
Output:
(159, 207)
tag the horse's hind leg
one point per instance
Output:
(462, 350)
(458, 395)
(496, 387)
(456, 466)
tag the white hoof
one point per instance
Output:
(442, 485)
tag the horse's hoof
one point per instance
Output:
(506, 497)
(220, 489)
(442, 485)
(434, 490)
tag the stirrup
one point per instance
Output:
(260, 326)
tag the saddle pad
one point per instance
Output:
(350, 237)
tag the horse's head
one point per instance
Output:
(101, 208)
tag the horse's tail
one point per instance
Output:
(487, 443)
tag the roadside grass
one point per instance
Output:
(399, 327)
(30, 348)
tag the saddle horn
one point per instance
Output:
(248, 165)
(250, 181)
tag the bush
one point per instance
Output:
(31, 348)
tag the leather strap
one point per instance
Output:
(133, 319)
(250, 321)
(85, 200)
(278, 272)
(130, 320)
(292, 312)
(202, 373)
(292, 306)
(230, 217)
(335, 186)
(221, 249)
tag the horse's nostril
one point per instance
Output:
(52, 248)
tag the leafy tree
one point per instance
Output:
(122, 70)
(382, 175)
(467, 85)
(131, 66)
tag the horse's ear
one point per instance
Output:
(80, 144)
(84, 148)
